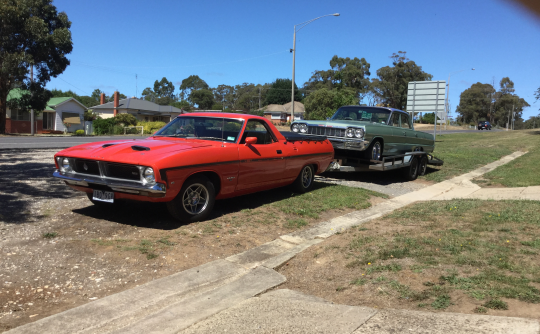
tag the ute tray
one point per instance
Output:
(293, 136)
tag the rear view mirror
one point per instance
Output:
(251, 140)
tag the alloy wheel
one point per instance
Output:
(195, 199)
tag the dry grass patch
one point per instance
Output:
(462, 256)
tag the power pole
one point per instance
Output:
(259, 97)
(513, 116)
(32, 130)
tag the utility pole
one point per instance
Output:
(259, 97)
(32, 130)
(513, 116)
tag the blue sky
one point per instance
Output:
(236, 41)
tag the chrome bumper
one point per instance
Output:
(156, 190)
(346, 144)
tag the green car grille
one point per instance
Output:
(326, 131)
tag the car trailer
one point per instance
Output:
(412, 163)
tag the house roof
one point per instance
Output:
(139, 105)
(51, 104)
(298, 107)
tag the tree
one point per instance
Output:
(392, 83)
(537, 95)
(191, 83)
(482, 102)
(280, 92)
(125, 119)
(32, 32)
(345, 72)
(162, 94)
(324, 102)
(203, 98)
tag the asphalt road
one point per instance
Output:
(29, 142)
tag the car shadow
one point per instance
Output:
(156, 215)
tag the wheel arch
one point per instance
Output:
(211, 175)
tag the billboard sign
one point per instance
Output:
(427, 97)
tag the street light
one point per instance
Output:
(446, 107)
(293, 50)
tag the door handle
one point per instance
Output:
(278, 151)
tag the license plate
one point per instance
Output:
(103, 196)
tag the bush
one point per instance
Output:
(125, 120)
(151, 127)
(103, 126)
(79, 133)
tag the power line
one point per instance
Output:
(73, 86)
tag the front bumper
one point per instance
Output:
(348, 144)
(156, 190)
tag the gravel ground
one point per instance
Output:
(58, 251)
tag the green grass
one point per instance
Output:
(295, 223)
(49, 235)
(488, 248)
(324, 198)
(462, 153)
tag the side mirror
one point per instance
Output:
(251, 140)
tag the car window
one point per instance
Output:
(206, 128)
(367, 114)
(405, 121)
(256, 128)
(395, 120)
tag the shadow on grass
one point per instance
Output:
(384, 178)
(156, 216)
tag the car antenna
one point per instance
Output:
(222, 130)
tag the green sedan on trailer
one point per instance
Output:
(368, 132)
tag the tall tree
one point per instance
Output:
(162, 94)
(475, 103)
(203, 98)
(280, 92)
(345, 72)
(32, 32)
(191, 83)
(324, 102)
(392, 82)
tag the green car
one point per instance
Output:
(368, 132)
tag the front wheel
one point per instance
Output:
(195, 200)
(374, 152)
(304, 181)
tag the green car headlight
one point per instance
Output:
(359, 133)
(303, 128)
(350, 132)
(295, 127)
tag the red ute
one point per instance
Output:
(192, 161)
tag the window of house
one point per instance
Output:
(20, 115)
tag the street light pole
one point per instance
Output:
(446, 107)
(293, 50)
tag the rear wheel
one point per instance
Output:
(195, 200)
(411, 172)
(422, 166)
(304, 181)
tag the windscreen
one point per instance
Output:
(374, 115)
(206, 128)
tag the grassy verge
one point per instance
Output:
(522, 172)
(425, 255)
(465, 152)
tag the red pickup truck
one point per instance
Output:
(194, 160)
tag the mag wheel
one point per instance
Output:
(374, 152)
(195, 200)
(304, 181)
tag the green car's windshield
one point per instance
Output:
(374, 115)
(208, 128)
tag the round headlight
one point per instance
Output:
(350, 132)
(149, 176)
(303, 128)
(294, 128)
(359, 133)
(65, 165)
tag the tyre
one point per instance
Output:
(195, 200)
(411, 172)
(375, 150)
(304, 181)
(422, 166)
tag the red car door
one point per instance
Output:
(261, 163)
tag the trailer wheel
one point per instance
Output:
(423, 166)
(374, 151)
(411, 172)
